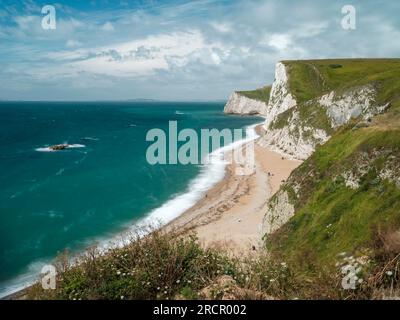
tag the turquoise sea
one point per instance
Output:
(50, 201)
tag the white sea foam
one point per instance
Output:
(45, 149)
(60, 172)
(90, 138)
(76, 145)
(210, 175)
(24, 280)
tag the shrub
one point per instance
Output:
(157, 266)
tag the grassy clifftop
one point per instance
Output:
(312, 78)
(261, 94)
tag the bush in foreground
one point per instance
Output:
(174, 266)
(157, 266)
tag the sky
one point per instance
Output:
(177, 50)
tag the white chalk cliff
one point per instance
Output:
(239, 104)
(297, 138)
(294, 136)
(280, 210)
(354, 103)
(280, 98)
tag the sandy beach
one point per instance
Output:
(230, 215)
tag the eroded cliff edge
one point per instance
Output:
(248, 102)
(342, 118)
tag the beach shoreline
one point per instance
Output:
(230, 215)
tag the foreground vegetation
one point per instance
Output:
(173, 266)
(158, 266)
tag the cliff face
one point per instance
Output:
(280, 98)
(343, 119)
(338, 198)
(240, 104)
(356, 102)
(267, 101)
(295, 129)
(280, 210)
(300, 116)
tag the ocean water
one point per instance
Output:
(50, 201)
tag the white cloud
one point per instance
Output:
(25, 22)
(279, 41)
(140, 57)
(107, 27)
(216, 58)
(73, 43)
(311, 29)
(221, 27)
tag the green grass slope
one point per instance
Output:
(309, 79)
(331, 216)
(261, 94)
